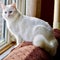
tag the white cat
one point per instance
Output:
(29, 29)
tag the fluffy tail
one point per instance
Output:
(49, 46)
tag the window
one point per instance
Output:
(5, 37)
(3, 29)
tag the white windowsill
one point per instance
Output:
(5, 53)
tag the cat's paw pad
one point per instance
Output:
(14, 47)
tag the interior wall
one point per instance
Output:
(47, 10)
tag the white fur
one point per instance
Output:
(31, 29)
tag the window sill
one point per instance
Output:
(7, 47)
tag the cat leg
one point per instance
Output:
(54, 46)
(18, 41)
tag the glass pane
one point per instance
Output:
(2, 26)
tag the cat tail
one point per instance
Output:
(54, 46)
(42, 42)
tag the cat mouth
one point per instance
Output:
(8, 15)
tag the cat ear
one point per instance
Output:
(13, 5)
(2, 5)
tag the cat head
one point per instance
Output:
(9, 11)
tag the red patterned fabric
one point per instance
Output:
(57, 35)
(26, 51)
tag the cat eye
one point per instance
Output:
(10, 11)
(5, 12)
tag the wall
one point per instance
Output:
(47, 10)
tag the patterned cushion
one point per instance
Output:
(26, 51)
(57, 33)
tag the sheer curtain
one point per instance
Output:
(33, 8)
(21, 4)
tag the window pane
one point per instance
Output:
(2, 26)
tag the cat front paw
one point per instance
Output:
(14, 47)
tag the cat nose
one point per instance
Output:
(8, 15)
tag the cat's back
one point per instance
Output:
(35, 21)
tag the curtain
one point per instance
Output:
(20, 4)
(33, 7)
